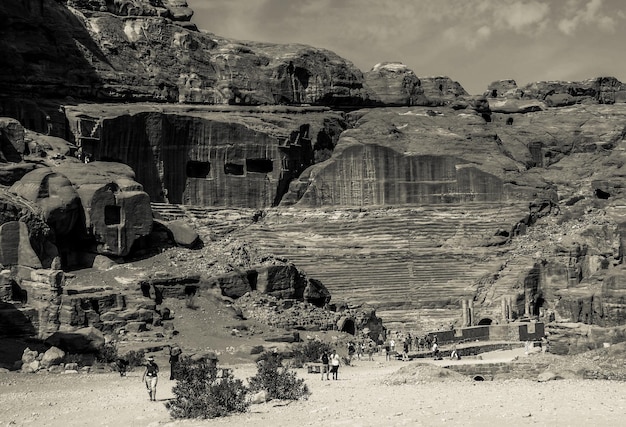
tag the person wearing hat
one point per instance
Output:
(150, 377)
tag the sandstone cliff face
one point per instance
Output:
(600, 90)
(93, 50)
(394, 84)
(203, 157)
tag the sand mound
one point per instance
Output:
(417, 373)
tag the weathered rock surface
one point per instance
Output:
(394, 84)
(99, 200)
(143, 51)
(206, 156)
(600, 90)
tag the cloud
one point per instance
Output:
(520, 16)
(590, 14)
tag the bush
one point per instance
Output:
(135, 358)
(309, 352)
(108, 353)
(199, 393)
(279, 382)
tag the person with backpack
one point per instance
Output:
(325, 365)
(150, 377)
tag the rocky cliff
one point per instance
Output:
(134, 50)
(446, 209)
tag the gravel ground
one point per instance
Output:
(392, 393)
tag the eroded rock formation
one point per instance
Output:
(140, 50)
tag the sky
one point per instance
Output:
(474, 42)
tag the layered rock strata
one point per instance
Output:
(140, 50)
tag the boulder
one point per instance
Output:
(54, 194)
(260, 397)
(179, 10)
(52, 356)
(183, 234)
(32, 367)
(29, 355)
(85, 340)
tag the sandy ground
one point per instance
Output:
(361, 397)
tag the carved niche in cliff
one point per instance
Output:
(99, 201)
(210, 158)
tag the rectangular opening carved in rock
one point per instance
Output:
(233, 169)
(259, 165)
(198, 169)
(112, 215)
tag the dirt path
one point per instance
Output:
(359, 398)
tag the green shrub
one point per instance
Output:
(279, 382)
(108, 353)
(135, 358)
(199, 393)
(310, 351)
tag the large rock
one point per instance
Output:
(54, 194)
(116, 209)
(84, 340)
(183, 234)
(52, 356)
(394, 84)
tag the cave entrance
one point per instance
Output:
(252, 277)
(233, 169)
(197, 169)
(347, 325)
(112, 215)
(485, 322)
(18, 294)
(259, 165)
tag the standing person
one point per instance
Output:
(334, 364)
(325, 365)
(175, 353)
(436, 351)
(351, 351)
(405, 350)
(454, 354)
(150, 376)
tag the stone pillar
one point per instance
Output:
(465, 313)
(505, 310)
(471, 313)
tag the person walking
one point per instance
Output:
(334, 364)
(325, 365)
(175, 353)
(151, 378)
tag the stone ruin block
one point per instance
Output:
(116, 218)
